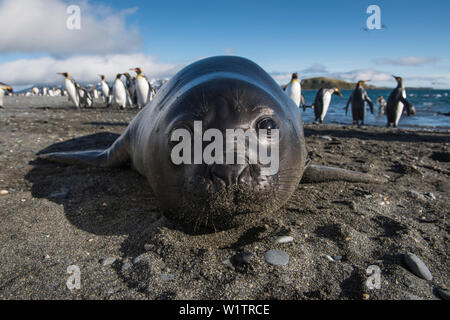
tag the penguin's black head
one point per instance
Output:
(361, 83)
(399, 80)
(102, 76)
(295, 76)
(337, 92)
(65, 74)
(118, 76)
(137, 70)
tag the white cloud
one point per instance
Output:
(362, 74)
(407, 61)
(281, 77)
(315, 68)
(39, 26)
(82, 68)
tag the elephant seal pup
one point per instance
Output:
(223, 93)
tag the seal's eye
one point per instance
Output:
(266, 123)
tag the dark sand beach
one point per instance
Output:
(106, 221)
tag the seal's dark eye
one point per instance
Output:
(266, 123)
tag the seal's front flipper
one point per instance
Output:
(316, 173)
(114, 156)
(90, 158)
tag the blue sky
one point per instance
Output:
(313, 38)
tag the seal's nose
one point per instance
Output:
(229, 173)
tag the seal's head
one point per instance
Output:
(202, 171)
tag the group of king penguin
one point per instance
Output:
(135, 92)
(393, 108)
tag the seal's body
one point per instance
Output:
(224, 93)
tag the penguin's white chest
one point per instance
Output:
(2, 93)
(142, 90)
(399, 109)
(120, 95)
(326, 104)
(72, 91)
(294, 91)
(105, 89)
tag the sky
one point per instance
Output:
(313, 38)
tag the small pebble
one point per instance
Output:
(417, 266)
(337, 258)
(365, 296)
(430, 196)
(409, 284)
(276, 257)
(227, 262)
(326, 138)
(167, 277)
(4, 192)
(110, 292)
(125, 266)
(108, 261)
(284, 239)
(148, 247)
(136, 260)
(413, 297)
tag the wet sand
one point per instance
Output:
(55, 216)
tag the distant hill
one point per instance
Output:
(322, 82)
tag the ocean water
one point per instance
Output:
(428, 104)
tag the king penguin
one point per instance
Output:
(395, 104)
(72, 89)
(382, 105)
(143, 88)
(294, 90)
(94, 92)
(322, 102)
(106, 91)
(4, 88)
(120, 92)
(130, 84)
(358, 98)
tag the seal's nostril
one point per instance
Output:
(228, 173)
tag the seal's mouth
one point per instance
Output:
(220, 178)
(214, 204)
